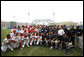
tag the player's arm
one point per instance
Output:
(53, 39)
(66, 42)
(45, 38)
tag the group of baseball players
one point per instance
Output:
(54, 36)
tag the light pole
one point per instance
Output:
(28, 16)
(14, 17)
(53, 15)
(14, 20)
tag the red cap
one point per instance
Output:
(25, 35)
(10, 41)
(14, 26)
(34, 25)
(21, 33)
(22, 25)
(30, 26)
(29, 31)
(20, 28)
(14, 30)
(17, 33)
(25, 30)
(40, 34)
(26, 26)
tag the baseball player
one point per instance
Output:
(21, 38)
(36, 38)
(26, 40)
(16, 40)
(32, 38)
(13, 29)
(39, 39)
(61, 32)
(66, 43)
(7, 44)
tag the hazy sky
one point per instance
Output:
(63, 10)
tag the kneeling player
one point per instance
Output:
(6, 44)
(66, 43)
(32, 38)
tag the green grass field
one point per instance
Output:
(37, 50)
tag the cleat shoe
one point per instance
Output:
(60, 48)
(11, 49)
(21, 48)
(51, 47)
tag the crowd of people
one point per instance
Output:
(54, 36)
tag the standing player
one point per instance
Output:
(13, 33)
(26, 41)
(61, 33)
(25, 32)
(36, 38)
(72, 35)
(32, 38)
(13, 29)
(13, 36)
(46, 39)
(18, 30)
(22, 29)
(52, 39)
(79, 32)
(26, 28)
